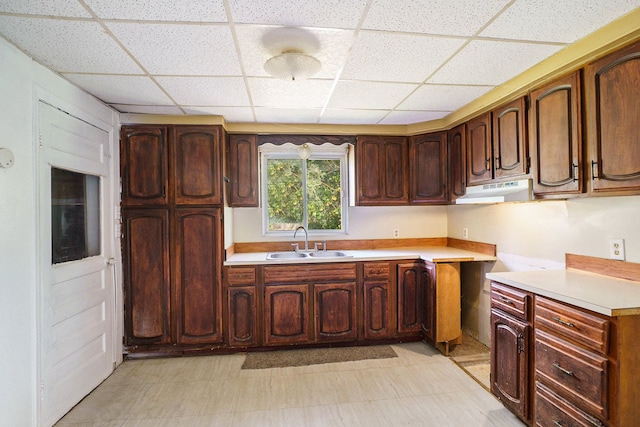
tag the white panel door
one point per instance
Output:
(76, 291)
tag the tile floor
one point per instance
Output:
(420, 387)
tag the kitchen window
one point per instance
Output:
(301, 191)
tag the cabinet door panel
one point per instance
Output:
(376, 310)
(243, 170)
(242, 316)
(510, 362)
(286, 314)
(146, 269)
(198, 276)
(428, 168)
(456, 157)
(556, 137)
(409, 298)
(614, 119)
(335, 312)
(395, 171)
(479, 150)
(197, 165)
(143, 164)
(429, 315)
(509, 140)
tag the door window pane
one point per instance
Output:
(75, 216)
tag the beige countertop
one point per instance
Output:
(431, 254)
(603, 294)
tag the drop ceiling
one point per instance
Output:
(389, 62)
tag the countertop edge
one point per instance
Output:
(503, 277)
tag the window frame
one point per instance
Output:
(325, 151)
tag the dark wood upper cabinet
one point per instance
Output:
(191, 175)
(197, 165)
(198, 274)
(556, 138)
(382, 171)
(613, 117)
(143, 165)
(479, 150)
(510, 148)
(456, 161)
(242, 155)
(428, 168)
(146, 276)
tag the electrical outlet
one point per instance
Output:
(465, 233)
(616, 249)
(396, 232)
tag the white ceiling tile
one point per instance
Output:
(339, 116)
(442, 97)
(484, 62)
(223, 91)
(173, 49)
(270, 92)
(160, 10)
(562, 21)
(330, 48)
(448, 17)
(230, 114)
(397, 57)
(399, 117)
(299, 13)
(285, 115)
(45, 8)
(171, 110)
(66, 45)
(369, 95)
(138, 90)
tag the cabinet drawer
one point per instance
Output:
(553, 411)
(576, 374)
(310, 273)
(237, 276)
(573, 324)
(510, 300)
(376, 271)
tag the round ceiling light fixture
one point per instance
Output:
(292, 65)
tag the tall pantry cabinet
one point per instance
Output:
(172, 235)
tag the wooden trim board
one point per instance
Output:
(608, 267)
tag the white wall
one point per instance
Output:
(21, 81)
(364, 223)
(536, 235)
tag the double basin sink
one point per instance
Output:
(302, 255)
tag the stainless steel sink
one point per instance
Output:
(286, 255)
(329, 254)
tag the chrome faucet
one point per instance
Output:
(306, 238)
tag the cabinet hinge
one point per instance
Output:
(520, 345)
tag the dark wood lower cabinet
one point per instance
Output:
(147, 283)
(243, 321)
(335, 312)
(410, 297)
(510, 362)
(198, 294)
(376, 310)
(173, 275)
(286, 313)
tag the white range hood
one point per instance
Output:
(499, 192)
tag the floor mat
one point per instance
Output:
(315, 356)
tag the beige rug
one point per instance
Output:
(315, 356)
